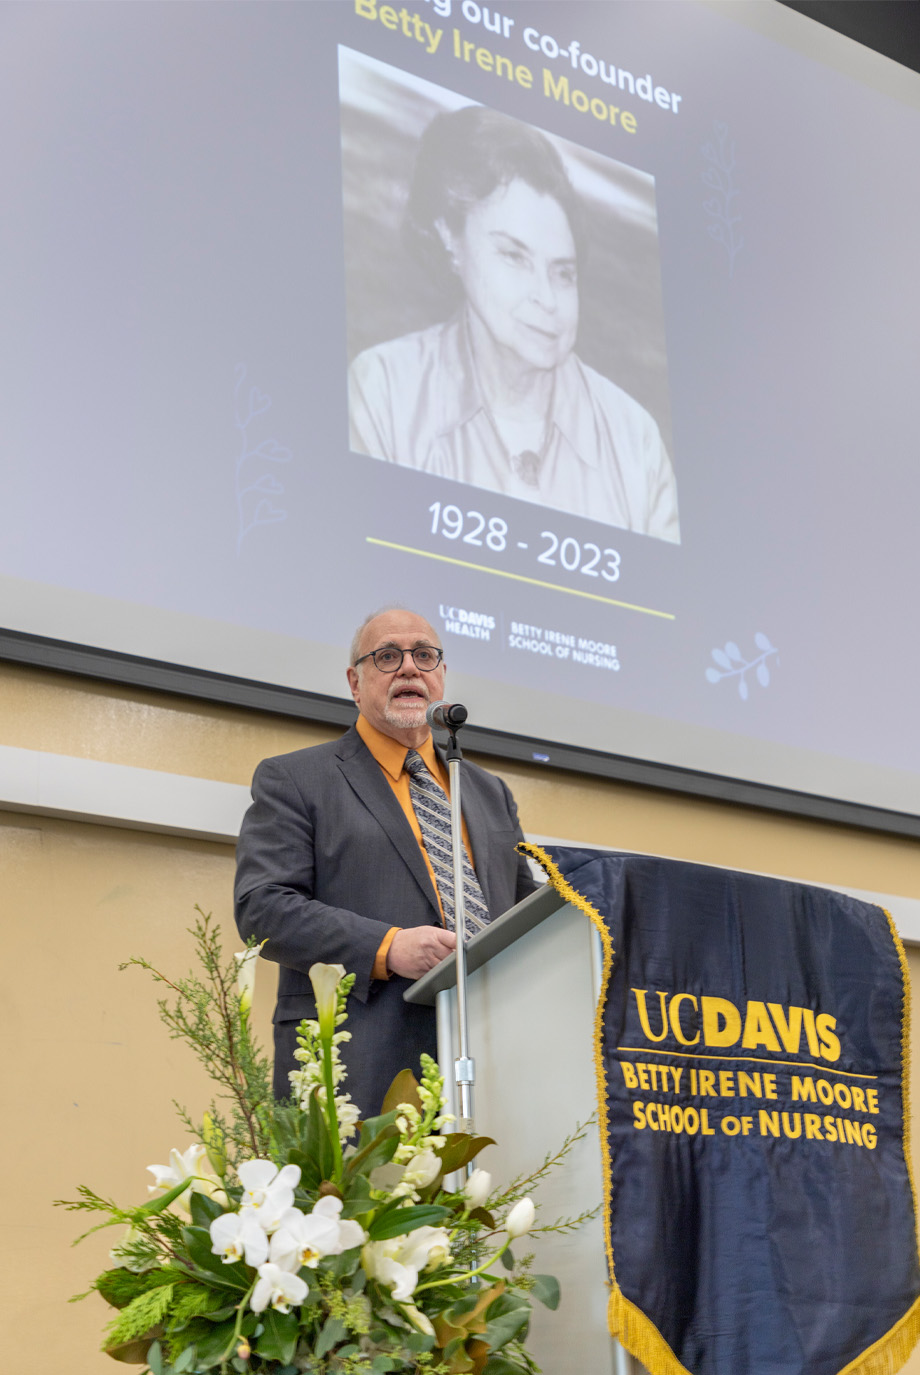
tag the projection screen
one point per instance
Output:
(631, 419)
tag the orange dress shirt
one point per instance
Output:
(391, 756)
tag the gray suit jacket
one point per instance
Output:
(326, 864)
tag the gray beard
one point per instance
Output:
(405, 720)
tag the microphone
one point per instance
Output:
(448, 715)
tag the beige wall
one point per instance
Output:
(90, 1073)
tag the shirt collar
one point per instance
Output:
(390, 754)
(571, 411)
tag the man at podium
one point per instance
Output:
(344, 857)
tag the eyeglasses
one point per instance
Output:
(390, 659)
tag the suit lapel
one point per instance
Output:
(366, 779)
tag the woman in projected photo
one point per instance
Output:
(496, 396)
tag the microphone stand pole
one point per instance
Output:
(464, 1066)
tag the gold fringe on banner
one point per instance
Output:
(628, 1324)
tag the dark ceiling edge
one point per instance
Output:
(158, 676)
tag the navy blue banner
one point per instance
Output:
(752, 1039)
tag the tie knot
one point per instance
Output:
(415, 764)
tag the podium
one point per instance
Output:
(534, 977)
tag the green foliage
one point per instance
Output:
(140, 1316)
(205, 1014)
(187, 1310)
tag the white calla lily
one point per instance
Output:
(246, 975)
(397, 1262)
(521, 1218)
(186, 1165)
(477, 1188)
(277, 1287)
(325, 979)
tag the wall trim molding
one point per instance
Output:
(100, 793)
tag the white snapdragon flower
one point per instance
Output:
(267, 1191)
(238, 1236)
(186, 1165)
(277, 1287)
(477, 1188)
(521, 1218)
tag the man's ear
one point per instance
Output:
(352, 675)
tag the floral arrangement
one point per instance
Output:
(290, 1237)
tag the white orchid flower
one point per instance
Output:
(477, 1188)
(277, 1287)
(186, 1165)
(351, 1233)
(267, 1191)
(246, 975)
(238, 1236)
(521, 1218)
(325, 979)
(303, 1239)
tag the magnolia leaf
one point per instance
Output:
(507, 1325)
(500, 1365)
(404, 1089)
(373, 1126)
(198, 1242)
(396, 1222)
(379, 1150)
(546, 1289)
(204, 1210)
(278, 1339)
(459, 1149)
(130, 1353)
(217, 1345)
(331, 1332)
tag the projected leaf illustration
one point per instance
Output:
(732, 664)
(256, 491)
(719, 176)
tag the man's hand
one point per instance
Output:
(416, 949)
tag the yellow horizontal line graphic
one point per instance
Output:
(748, 1060)
(520, 577)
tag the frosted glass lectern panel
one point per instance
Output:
(531, 1035)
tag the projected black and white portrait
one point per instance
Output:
(493, 258)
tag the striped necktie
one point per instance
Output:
(432, 810)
